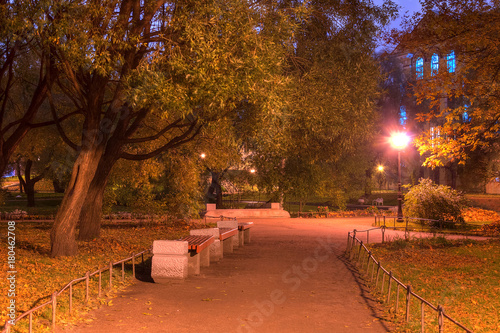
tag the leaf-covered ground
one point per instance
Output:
(462, 276)
(38, 275)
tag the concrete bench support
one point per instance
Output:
(228, 245)
(170, 260)
(194, 263)
(247, 235)
(215, 252)
(232, 224)
(241, 237)
(244, 231)
(227, 236)
(199, 251)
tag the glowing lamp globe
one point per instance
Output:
(400, 140)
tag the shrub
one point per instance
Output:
(437, 202)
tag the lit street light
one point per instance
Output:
(399, 141)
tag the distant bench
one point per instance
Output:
(228, 237)
(244, 232)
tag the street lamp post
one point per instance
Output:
(399, 141)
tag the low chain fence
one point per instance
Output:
(357, 251)
(220, 217)
(54, 297)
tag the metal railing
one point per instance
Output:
(382, 220)
(69, 287)
(221, 217)
(364, 259)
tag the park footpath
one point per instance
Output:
(292, 277)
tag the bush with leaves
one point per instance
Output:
(437, 202)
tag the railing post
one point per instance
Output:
(359, 251)
(440, 318)
(133, 265)
(123, 270)
(378, 271)
(373, 270)
(87, 282)
(397, 299)
(348, 241)
(368, 261)
(383, 234)
(7, 326)
(383, 282)
(384, 221)
(110, 275)
(408, 296)
(423, 317)
(70, 298)
(389, 288)
(54, 305)
(30, 324)
(100, 282)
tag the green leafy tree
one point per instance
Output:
(330, 119)
(40, 155)
(437, 202)
(147, 77)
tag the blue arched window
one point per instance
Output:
(450, 62)
(434, 64)
(402, 116)
(465, 115)
(419, 68)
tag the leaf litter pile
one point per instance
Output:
(38, 275)
(462, 275)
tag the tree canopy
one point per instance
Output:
(331, 115)
(148, 77)
(469, 31)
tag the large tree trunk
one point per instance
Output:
(91, 215)
(62, 236)
(29, 188)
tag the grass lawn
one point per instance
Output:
(39, 276)
(462, 276)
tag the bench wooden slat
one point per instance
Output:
(198, 243)
(244, 225)
(225, 233)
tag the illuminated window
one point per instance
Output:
(434, 64)
(465, 115)
(419, 68)
(450, 62)
(435, 133)
(402, 115)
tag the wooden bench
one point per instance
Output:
(244, 232)
(199, 254)
(226, 236)
(216, 247)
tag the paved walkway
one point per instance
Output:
(291, 278)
